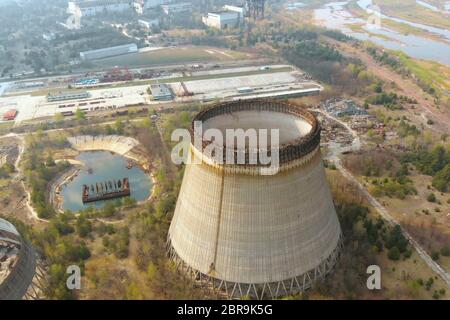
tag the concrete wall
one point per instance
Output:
(117, 144)
(255, 229)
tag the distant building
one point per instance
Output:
(239, 9)
(148, 23)
(90, 8)
(28, 85)
(173, 8)
(67, 96)
(161, 92)
(142, 5)
(10, 115)
(221, 19)
(108, 52)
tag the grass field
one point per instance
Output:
(429, 72)
(171, 56)
(411, 11)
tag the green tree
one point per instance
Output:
(435, 255)
(431, 197)
(445, 251)
(119, 126)
(80, 115)
(394, 254)
(441, 180)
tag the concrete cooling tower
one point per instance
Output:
(245, 233)
(17, 263)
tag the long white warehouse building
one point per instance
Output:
(109, 52)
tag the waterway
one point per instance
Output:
(101, 166)
(334, 15)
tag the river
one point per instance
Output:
(334, 15)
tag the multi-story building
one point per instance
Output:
(173, 8)
(93, 7)
(221, 19)
(142, 5)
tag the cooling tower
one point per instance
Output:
(21, 270)
(247, 233)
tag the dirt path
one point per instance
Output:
(356, 145)
(19, 176)
(386, 216)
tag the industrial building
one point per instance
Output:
(242, 232)
(89, 8)
(67, 96)
(221, 19)
(109, 52)
(140, 6)
(17, 263)
(161, 92)
(174, 8)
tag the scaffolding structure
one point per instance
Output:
(26, 278)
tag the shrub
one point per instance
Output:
(394, 254)
(445, 251)
(435, 255)
(431, 197)
(429, 283)
(441, 180)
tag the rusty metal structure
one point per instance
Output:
(106, 190)
(243, 232)
(22, 281)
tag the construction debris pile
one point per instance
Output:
(333, 131)
(8, 153)
(8, 258)
(356, 117)
(338, 107)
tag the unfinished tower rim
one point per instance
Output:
(289, 149)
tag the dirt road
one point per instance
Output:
(335, 158)
(405, 85)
